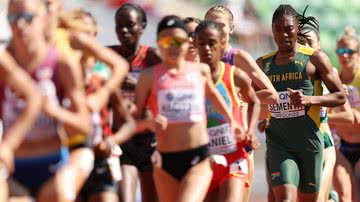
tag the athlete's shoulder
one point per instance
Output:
(152, 56)
(306, 50)
(268, 55)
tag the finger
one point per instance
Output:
(291, 91)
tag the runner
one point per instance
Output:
(229, 181)
(15, 78)
(130, 20)
(191, 24)
(104, 70)
(295, 168)
(347, 163)
(241, 59)
(42, 163)
(175, 91)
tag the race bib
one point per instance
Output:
(181, 105)
(284, 108)
(323, 112)
(239, 167)
(222, 140)
(353, 96)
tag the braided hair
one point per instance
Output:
(303, 21)
(140, 11)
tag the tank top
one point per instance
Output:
(228, 57)
(354, 91)
(293, 128)
(136, 66)
(12, 106)
(222, 140)
(179, 97)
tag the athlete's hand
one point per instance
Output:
(239, 132)
(103, 149)
(129, 83)
(262, 125)
(7, 157)
(345, 89)
(298, 98)
(254, 142)
(161, 122)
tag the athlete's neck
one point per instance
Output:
(215, 70)
(174, 66)
(347, 75)
(129, 51)
(228, 48)
(29, 56)
(288, 52)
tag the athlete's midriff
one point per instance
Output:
(182, 136)
(349, 134)
(39, 147)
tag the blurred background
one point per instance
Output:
(252, 32)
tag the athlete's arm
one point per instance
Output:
(346, 115)
(243, 60)
(22, 84)
(249, 96)
(118, 65)
(77, 117)
(127, 130)
(152, 57)
(325, 70)
(267, 95)
(19, 81)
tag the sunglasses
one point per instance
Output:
(166, 42)
(342, 51)
(28, 17)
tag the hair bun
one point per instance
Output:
(350, 31)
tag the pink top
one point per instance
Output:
(179, 97)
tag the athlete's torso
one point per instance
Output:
(293, 128)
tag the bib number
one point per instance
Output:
(222, 140)
(284, 108)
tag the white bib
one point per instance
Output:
(284, 108)
(222, 140)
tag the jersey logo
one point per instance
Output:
(299, 63)
(267, 67)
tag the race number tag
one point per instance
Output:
(284, 108)
(239, 167)
(181, 105)
(114, 163)
(353, 96)
(323, 112)
(222, 140)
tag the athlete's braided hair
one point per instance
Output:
(139, 10)
(309, 21)
(210, 24)
(350, 34)
(222, 9)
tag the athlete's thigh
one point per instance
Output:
(196, 182)
(104, 197)
(232, 189)
(148, 191)
(310, 166)
(167, 187)
(282, 167)
(128, 184)
(342, 177)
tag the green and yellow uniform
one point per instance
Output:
(294, 141)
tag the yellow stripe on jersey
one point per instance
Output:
(232, 83)
(306, 50)
(222, 71)
(314, 110)
(269, 55)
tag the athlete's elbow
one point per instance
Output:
(341, 98)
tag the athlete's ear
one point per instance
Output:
(232, 26)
